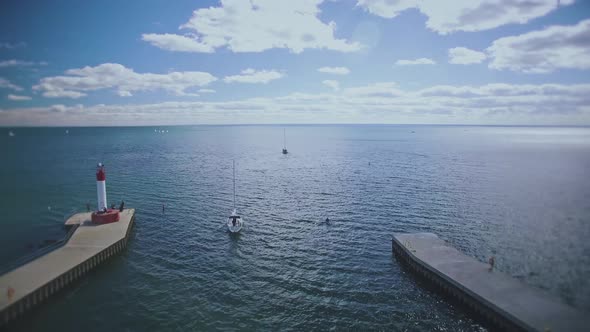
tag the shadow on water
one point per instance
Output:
(234, 237)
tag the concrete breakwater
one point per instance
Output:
(507, 303)
(89, 245)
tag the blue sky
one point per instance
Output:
(310, 61)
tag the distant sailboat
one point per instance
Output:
(234, 222)
(285, 141)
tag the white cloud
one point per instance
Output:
(421, 61)
(206, 91)
(178, 43)
(380, 89)
(466, 15)
(18, 98)
(60, 108)
(543, 51)
(20, 63)
(5, 84)
(12, 45)
(76, 82)
(255, 26)
(334, 70)
(58, 93)
(334, 85)
(383, 102)
(465, 56)
(387, 8)
(253, 76)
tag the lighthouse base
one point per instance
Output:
(100, 217)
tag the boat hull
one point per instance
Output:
(232, 228)
(237, 226)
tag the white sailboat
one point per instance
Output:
(285, 141)
(234, 222)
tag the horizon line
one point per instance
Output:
(297, 124)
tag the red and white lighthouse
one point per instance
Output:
(101, 188)
(103, 215)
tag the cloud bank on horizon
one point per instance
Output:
(309, 61)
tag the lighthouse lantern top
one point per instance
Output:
(100, 174)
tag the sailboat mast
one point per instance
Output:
(284, 138)
(234, 164)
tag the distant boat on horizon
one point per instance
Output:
(10, 133)
(285, 141)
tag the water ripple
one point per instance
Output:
(289, 269)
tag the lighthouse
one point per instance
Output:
(103, 214)
(101, 188)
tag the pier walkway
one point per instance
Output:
(508, 303)
(89, 245)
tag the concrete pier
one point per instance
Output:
(89, 245)
(507, 303)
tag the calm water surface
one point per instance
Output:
(519, 193)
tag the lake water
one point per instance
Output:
(519, 193)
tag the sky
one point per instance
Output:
(157, 62)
